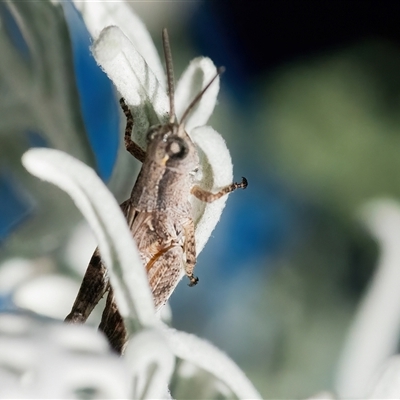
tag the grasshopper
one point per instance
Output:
(158, 213)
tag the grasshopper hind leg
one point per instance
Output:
(93, 287)
(163, 275)
(112, 324)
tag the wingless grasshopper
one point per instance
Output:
(158, 213)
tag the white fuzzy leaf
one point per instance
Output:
(388, 384)
(100, 209)
(40, 359)
(206, 356)
(100, 14)
(151, 364)
(374, 333)
(217, 171)
(134, 80)
(196, 76)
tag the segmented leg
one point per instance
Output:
(130, 145)
(209, 197)
(93, 287)
(113, 325)
(190, 251)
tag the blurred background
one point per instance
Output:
(309, 107)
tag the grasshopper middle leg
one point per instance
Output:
(209, 197)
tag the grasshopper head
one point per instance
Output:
(170, 146)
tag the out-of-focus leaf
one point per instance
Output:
(38, 97)
(40, 359)
(118, 249)
(205, 355)
(150, 363)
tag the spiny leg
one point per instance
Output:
(130, 145)
(209, 197)
(93, 287)
(190, 251)
(113, 325)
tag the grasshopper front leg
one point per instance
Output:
(130, 145)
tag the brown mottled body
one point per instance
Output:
(159, 216)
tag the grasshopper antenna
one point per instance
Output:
(220, 71)
(170, 75)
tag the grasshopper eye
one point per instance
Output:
(152, 132)
(177, 148)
